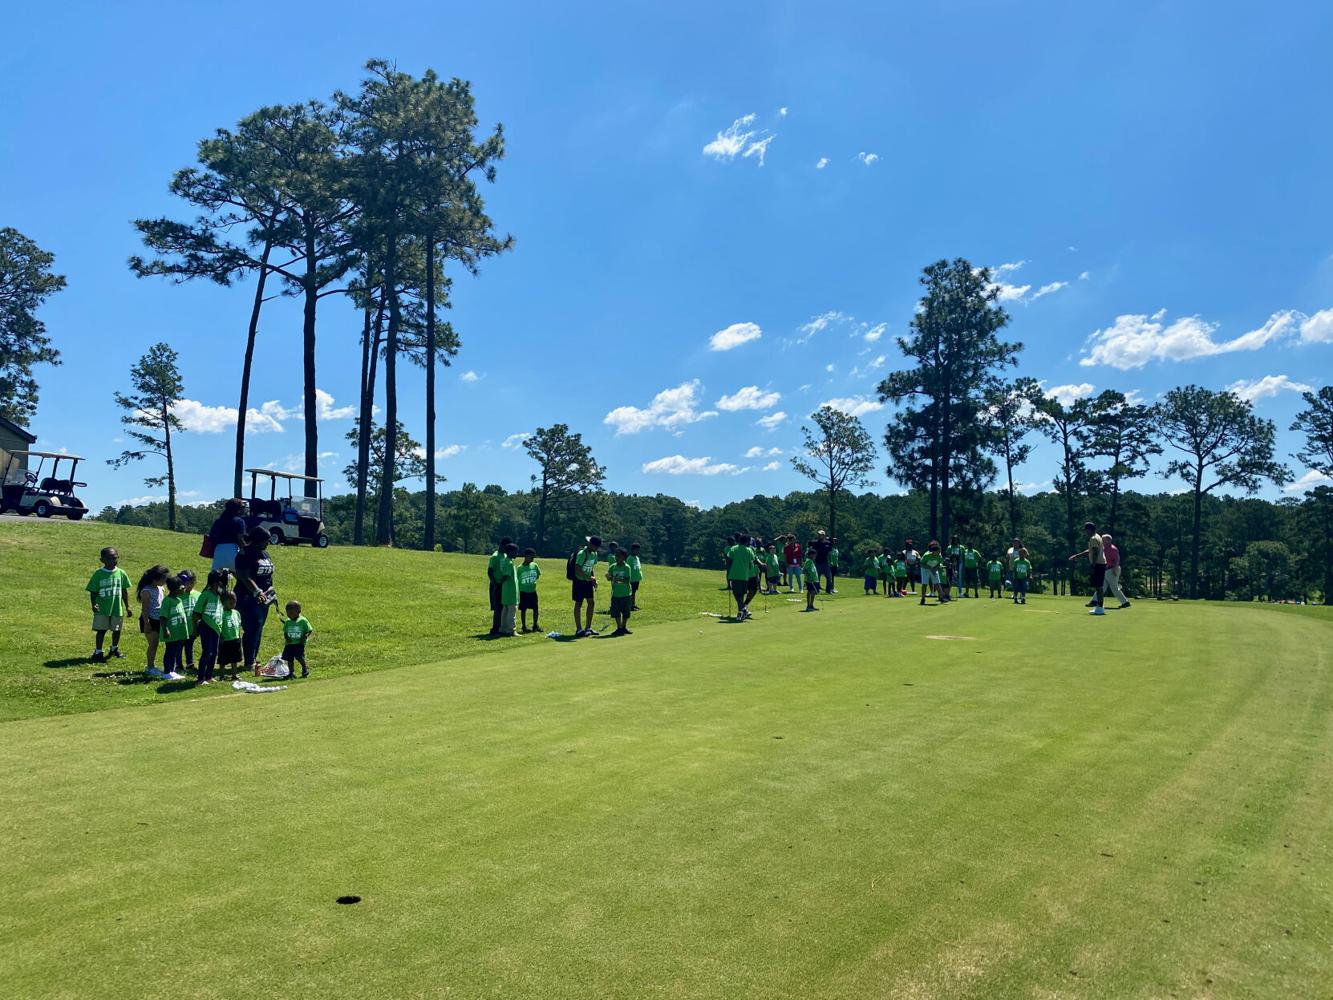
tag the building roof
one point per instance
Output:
(14, 428)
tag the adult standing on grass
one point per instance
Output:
(1096, 553)
(583, 574)
(227, 533)
(254, 593)
(1113, 572)
(495, 583)
(822, 548)
(913, 559)
(791, 555)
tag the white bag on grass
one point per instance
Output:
(276, 668)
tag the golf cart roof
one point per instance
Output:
(48, 454)
(284, 475)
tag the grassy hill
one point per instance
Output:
(877, 800)
(372, 608)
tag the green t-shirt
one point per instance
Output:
(585, 564)
(954, 552)
(971, 558)
(507, 576)
(871, 567)
(107, 586)
(808, 568)
(754, 564)
(635, 569)
(493, 566)
(932, 560)
(210, 611)
(1021, 568)
(231, 624)
(296, 630)
(995, 569)
(833, 558)
(188, 601)
(528, 574)
(740, 562)
(774, 565)
(620, 576)
(900, 569)
(175, 621)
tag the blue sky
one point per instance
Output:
(770, 178)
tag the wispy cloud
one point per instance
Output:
(1318, 328)
(751, 397)
(867, 158)
(772, 466)
(741, 138)
(679, 465)
(269, 418)
(773, 421)
(1309, 481)
(1067, 395)
(821, 163)
(782, 112)
(759, 451)
(515, 440)
(1269, 385)
(470, 376)
(854, 406)
(875, 332)
(1047, 289)
(670, 409)
(733, 336)
(1133, 340)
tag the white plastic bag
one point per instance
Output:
(276, 668)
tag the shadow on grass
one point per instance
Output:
(69, 661)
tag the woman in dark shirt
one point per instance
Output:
(254, 592)
(228, 534)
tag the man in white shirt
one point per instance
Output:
(1096, 553)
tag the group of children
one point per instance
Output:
(942, 571)
(513, 586)
(172, 615)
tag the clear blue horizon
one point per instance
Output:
(1154, 186)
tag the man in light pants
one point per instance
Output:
(1112, 584)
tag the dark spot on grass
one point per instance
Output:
(777, 737)
(1105, 855)
(347, 900)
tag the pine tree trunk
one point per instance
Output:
(1198, 533)
(308, 364)
(384, 516)
(171, 467)
(243, 405)
(429, 520)
(541, 515)
(364, 424)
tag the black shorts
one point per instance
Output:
(621, 606)
(812, 587)
(739, 588)
(294, 653)
(583, 590)
(971, 575)
(495, 596)
(527, 600)
(229, 652)
(1098, 576)
(150, 626)
(752, 587)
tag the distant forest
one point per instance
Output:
(1252, 549)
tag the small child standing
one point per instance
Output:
(229, 644)
(930, 574)
(208, 616)
(188, 600)
(870, 571)
(811, 579)
(995, 577)
(174, 629)
(884, 564)
(109, 588)
(528, 575)
(635, 575)
(152, 590)
(1022, 567)
(900, 576)
(506, 572)
(622, 593)
(296, 630)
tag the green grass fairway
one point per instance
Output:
(372, 608)
(805, 806)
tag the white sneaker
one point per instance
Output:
(155, 673)
(173, 676)
(1098, 610)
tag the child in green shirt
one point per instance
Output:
(229, 636)
(528, 575)
(884, 564)
(995, 577)
(1022, 568)
(208, 615)
(870, 571)
(296, 629)
(622, 593)
(635, 575)
(174, 628)
(931, 563)
(109, 589)
(506, 573)
(188, 601)
(811, 580)
(900, 577)
(772, 568)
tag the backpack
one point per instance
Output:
(570, 564)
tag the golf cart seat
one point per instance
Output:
(267, 509)
(50, 485)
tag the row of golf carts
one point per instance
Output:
(43, 492)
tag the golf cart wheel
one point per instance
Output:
(76, 515)
(321, 541)
(41, 508)
(276, 537)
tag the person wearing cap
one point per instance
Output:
(584, 586)
(1096, 553)
(1113, 572)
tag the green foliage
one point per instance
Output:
(149, 420)
(471, 515)
(839, 454)
(566, 472)
(1316, 423)
(26, 281)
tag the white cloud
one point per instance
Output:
(679, 465)
(759, 451)
(1009, 268)
(782, 112)
(1031, 487)
(875, 332)
(854, 406)
(1269, 385)
(1133, 340)
(751, 397)
(515, 440)
(1067, 395)
(867, 158)
(269, 418)
(1318, 328)
(870, 366)
(1084, 275)
(819, 324)
(471, 376)
(772, 421)
(327, 411)
(692, 503)
(1309, 481)
(1054, 286)
(740, 138)
(449, 450)
(670, 409)
(772, 467)
(733, 336)
(830, 367)
(1133, 397)
(158, 498)
(821, 163)
(1010, 293)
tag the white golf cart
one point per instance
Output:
(290, 519)
(26, 490)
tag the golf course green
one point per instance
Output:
(874, 800)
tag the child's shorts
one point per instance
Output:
(870, 582)
(527, 600)
(621, 606)
(812, 587)
(229, 652)
(930, 575)
(107, 623)
(294, 653)
(150, 626)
